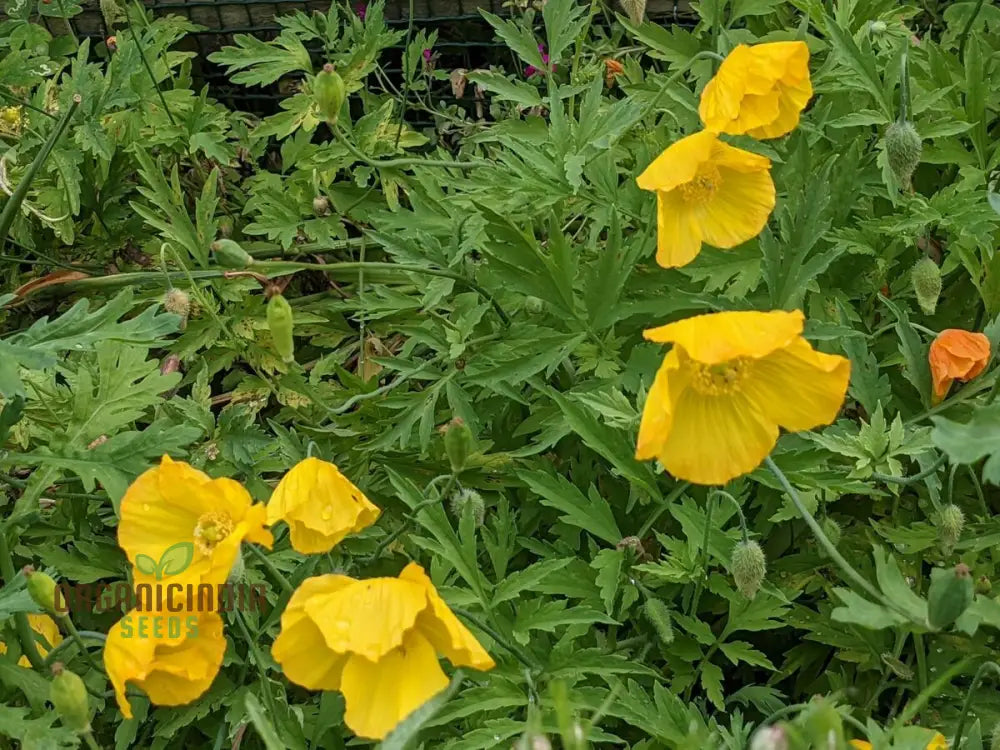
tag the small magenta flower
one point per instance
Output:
(427, 55)
(531, 70)
(361, 9)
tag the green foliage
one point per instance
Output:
(498, 268)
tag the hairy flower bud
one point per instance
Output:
(178, 302)
(658, 615)
(635, 10)
(832, 530)
(903, 148)
(769, 738)
(984, 585)
(748, 567)
(469, 499)
(926, 279)
(69, 696)
(878, 28)
(42, 589)
(951, 521)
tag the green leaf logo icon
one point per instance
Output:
(174, 560)
(145, 564)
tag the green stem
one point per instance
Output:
(413, 73)
(739, 510)
(666, 502)
(405, 162)
(56, 653)
(509, 647)
(77, 637)
(705, 557)
(411, 516)
(149, 70)
(17, 197)
(967, 705)
(936, 688)
(25, 635)
(916, 477)
(276, 574)
(677, 74)
(965, 36)
(88, 738)
(904, 88)
(258, 660)
(825, 543)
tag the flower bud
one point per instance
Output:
(230, 254)
(984, 585)
(457, 443)
(533, 305)
(770, 738)
(658, 615)
(951, 521)
(69, 695)
(281, 323)
(321, 205)
(329, 93)
(42, 589)
(878, 28)
(469, 499)
(832, 530)
(178, 302)
(926, 279)
(903, 148)
(950, 593)
(748, 567)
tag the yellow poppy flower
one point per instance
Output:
(938, 742)
(730, 381)
(320, 505)
(759, 91)
(377, 641)
(46, 627)
(171, 656)
(707, 191)
(174, 503)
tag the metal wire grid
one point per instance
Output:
(465, 40)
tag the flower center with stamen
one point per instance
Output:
(721, 379)
(703, 186)
(211, 529)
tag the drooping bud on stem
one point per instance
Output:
(42, 589)
(69, 696)
(457, 443)
(951, 521)
(926, 279)
(748, 567)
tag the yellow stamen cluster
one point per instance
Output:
(212, 528)
(704, 185)
(721, 379)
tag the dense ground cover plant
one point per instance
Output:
(507, 390)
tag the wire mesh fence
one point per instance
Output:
(465, 40)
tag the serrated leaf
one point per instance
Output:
(859, 611)
(608, 563)
(525, 580)
(592, 514)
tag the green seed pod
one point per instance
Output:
(748, 567)
(321, 206)
(69, 695)
(951, 521)
(903, 148)
(178, 302)
(279, 320)
(926, 279)
(457, 444)
(329, 93)
(984, 585)
(950, 593)
(42, 589)
(230, 254)
(469, 499)
(658, 615)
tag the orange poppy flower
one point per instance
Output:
(957, 355)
